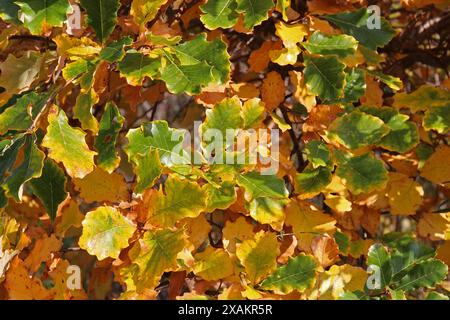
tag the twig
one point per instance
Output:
(296, 149)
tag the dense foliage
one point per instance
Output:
(92, 93)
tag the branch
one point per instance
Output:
(295, 140)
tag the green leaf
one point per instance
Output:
(357, 129)
(253, 113)
(194, 64)
(8, 154)
(181, 199)
(254, 11)
(39, 16)
(159, 136)
(298, 274)
(135, 66)
(324, 76)
(355, 85)
(9, 11)
(214, 53)
(83, 110)
(147, 168)
(362, 173)
(221, 197)
(31, 167)
(356, 24)
(342, 241)
(318, 154)
(105, 232)
(436, 296)
(77, 68)
(225, 115)
(312, 180)
(392, 82)
(340, 45)
(67, 145)
(158, 252)
(423, 275)
(185, 78)
(407, 253)
(423, 98)
(403, 135)
(257, 185)
(379, 256)
(50, 187)
(102, 16)
(372, 57)
(219, 14)
(17, 117)
(423, 152)
(356, 295)
(105, 143)
(437, 118)
(397, 294)
(384, 113)
(115, 51)
(3, 198)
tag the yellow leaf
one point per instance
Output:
(233, 292)
(76, 47)
(338, 203)
(41, 252)
(180, 199)
(325, 249)
(404, 194)
(434, 226)
(272, 90)
(105, 232)
(443, 252)
(245, 90)
(285, 56)
(301, 92)
(157, 253)
(60, 275)
(437, 167)
(259, 255)
(20, 286)
(20, 74)
(236, 232)
(67, 145)
(101, 186)
(144, 11)
(197, 230)
(70, 217)
(338, 280)
(308, 223)
(213, 264)
(291, 34)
